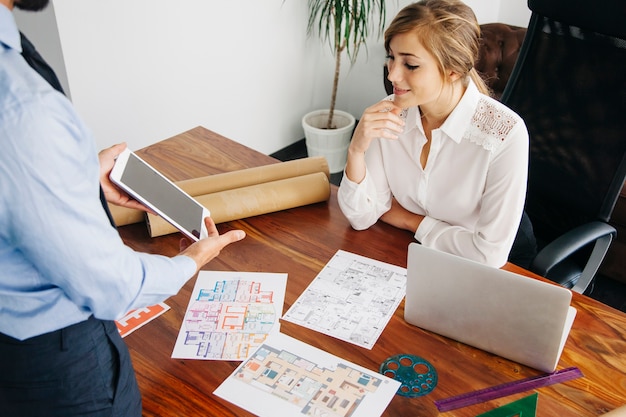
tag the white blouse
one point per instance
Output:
(472, 191)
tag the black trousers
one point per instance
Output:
(81, 370)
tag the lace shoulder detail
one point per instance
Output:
(490, 125)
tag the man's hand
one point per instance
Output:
(111, 192)
(208, 248)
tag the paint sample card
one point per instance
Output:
(135, 319)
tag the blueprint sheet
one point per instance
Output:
(285, 377)
(230, 314)
(352, 299)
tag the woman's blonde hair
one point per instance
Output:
(448, 29)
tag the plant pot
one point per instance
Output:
(330, 143)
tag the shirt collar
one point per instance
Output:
(457, 122)
(9, 34)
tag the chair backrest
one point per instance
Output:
(569, 86)
(500, 45)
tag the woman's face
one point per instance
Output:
(413, 71)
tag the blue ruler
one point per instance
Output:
(509, 388)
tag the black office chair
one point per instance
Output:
(569, 86)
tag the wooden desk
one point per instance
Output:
(300, 242)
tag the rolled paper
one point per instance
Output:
(255, 200)
(231, 180)
(251, 176)
(124, 216)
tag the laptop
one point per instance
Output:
(510, 315)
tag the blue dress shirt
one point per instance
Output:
(60, 259)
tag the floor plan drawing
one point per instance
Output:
(287, 377)
(352, 299)
(230, 314)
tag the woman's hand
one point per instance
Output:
(111, 192)
(381, 120)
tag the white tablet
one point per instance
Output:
(151, 188)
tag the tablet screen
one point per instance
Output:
(162, 195)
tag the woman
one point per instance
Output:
(439, 157)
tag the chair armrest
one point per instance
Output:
(570, 242)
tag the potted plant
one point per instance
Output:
(345, 25)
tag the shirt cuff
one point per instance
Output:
(189, 265)
(425, 227)
(351, 185)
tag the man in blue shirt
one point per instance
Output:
(65, 273)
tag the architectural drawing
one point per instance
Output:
(352, 299)
(317, 391)
(229, 315)
(287, 377)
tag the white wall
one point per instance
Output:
(515, 13)
(41, 29)
(144, 70)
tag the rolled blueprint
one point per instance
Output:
(255, 199)
(231, 180)
(124, 216)
(251, 176)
